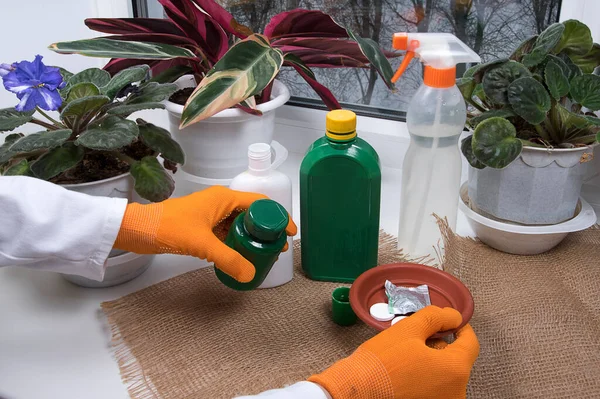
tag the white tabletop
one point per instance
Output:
(54, 342)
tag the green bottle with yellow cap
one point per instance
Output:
(340, 190)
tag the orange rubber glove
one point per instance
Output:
(397, 364)
(185, 225)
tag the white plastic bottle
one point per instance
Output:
(262, 178)
(435, 119)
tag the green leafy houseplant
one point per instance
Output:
(233, 66)
(536, 98)
(93, 139)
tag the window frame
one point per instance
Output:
(583, 10)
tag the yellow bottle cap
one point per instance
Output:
(341, 125)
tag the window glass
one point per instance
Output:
(493, 28)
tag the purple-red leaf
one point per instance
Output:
(202, 28)
(328, 45)
(133, 25)
(321, 59)
(304, 22)
(322, 91)
(224, 18)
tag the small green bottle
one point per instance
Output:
(259, 236)
(340, 189)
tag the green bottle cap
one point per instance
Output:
(341, 311)
(266, 220)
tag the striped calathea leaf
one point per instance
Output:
(244, 71)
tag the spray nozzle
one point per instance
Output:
(438, 51)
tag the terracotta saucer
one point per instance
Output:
(445, 290)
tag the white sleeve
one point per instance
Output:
(48, 227)
(300, 390)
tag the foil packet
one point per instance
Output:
(403, 300)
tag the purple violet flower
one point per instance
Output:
(34, 83)
(5, 69)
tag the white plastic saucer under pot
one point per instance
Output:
(520, 239)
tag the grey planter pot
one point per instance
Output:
(121, 266)
(540, 187)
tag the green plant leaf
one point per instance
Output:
(82, 109)
(376, 58)
(10, 118)
(576, 38)
(96, 76)
(585, 90)
(5, 153)
(524, 48)
(294, 59)
(81, 90)
(107, 48)
(66, 75)
(598, 137)
(588, 62)
(592, 120)
(529, 99)
(124, 78)
(19, 169)
(57, 160)
(127, 109)
(545, 42)
(502, 113)
(152, 181)
(556, 80)
(466, 86)
(467, 150)
(41, 141)
(152, 92)
(476, 72)
(159, 140)
(566, 119)
(497, 80)
(244, 71)
(113, 133)
(172, 74)
(495, 142)
(574, 70)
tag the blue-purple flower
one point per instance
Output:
(34, 83)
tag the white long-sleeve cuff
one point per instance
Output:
(46, 227)
(300, 390)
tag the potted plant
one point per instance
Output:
(231, 68)
(534, 126)
(91, 147)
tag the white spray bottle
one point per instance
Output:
(261, 177)
(435, 119)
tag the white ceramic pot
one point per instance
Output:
(217, 147)
(540, 187)
(121, 266)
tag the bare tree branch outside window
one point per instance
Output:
(492, 28)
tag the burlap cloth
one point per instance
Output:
(192, 337)
(537, 319)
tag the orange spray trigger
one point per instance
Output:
(410, 53)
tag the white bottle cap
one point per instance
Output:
(259, 156)
(380, 312)
(397, 319)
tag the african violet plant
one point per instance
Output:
(233, 66)
(92, 139)
(537, 98)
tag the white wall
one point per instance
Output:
(27, 27)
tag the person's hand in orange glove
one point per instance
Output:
(397, 364)
(185, 226)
